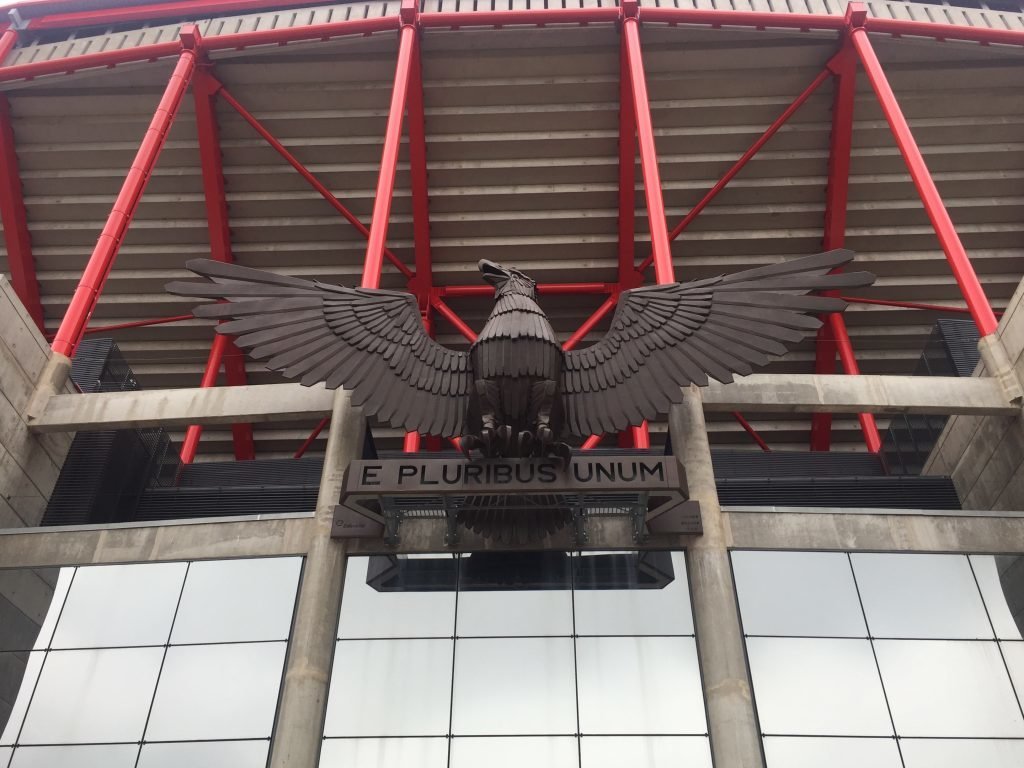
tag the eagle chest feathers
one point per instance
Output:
(517, 341)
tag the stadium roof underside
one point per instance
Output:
(522, 148)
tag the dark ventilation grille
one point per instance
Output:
(106, 473)
(892, 492)
(774, 464)
(952, 350)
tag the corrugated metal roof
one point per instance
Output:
(522, 143)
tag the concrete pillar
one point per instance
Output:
(735, 741)
(297, 735)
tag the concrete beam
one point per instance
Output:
(759, 393)
(155, 542)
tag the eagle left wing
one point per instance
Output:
(664, 337)
(369, 341)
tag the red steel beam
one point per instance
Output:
(660, 248)
(909, 305)
(832, 336)
(751, 431)
(213, 362)
(628, 277)
(544, 289)
(204, 92)
(533, 17)
(422, 284)
(8, 40)
(133, 324)
(389, 160)
(312, 436)
(17, 238)
(744, 159)
(313, 181)
(446, 312)
(588, 325)
(86, 295)
(963, 271)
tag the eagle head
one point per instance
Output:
(507, 279)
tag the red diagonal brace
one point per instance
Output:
(12, 214)
(87, 294)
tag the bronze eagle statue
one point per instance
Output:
(515, 392)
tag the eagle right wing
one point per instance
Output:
(664, 337)
(369, 341)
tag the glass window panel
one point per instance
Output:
(514, 594)
(797, 593)
(411, 597)
(60, 593)
(231, 600)
(384, 753)
(92, 696)
(217, 692)
(1001, 578)
(645, 752)
(639, 685)
(208, 754)
(532, 751)
(1013, 654)
(91, 756)
(15, 667)
(30, 600)
(390, 688)
(114, 605)
(948, 688)
(656, 602)
(909, 596)
(518, 686)
(817, 687)
(962, 753)
(810, 752)
(5, 756)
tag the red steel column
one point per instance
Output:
(628, 277)
(833, 336)
(204, 92)
(17, 239)
(389, 157)
(970, 286)
(423, 282)
(87, 294)
(648, 154)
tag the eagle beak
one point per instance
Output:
(495, 274)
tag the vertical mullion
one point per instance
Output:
(874, 655)
(455, 641)
(575, 663)
(163, 660)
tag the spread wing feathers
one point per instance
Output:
(369, 341)
(665, 337)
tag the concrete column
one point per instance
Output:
(735, 741)
(297, 735)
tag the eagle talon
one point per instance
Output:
(563, 453)
(504, 434)
(525, 443)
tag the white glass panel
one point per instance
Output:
(962, 753)
(646, 611)
(60, 593)
(639, 685)
(521, 608)
(5, 756)
(231, 600)
(102, 756)
(797, 593)
(114, 605)
(519, 686)
(948, 688)
(367, 612)
(390, 688)
(28, 667)
(817, 687)
(908, 596)
(1013, 654)
(810, 752)
(207, 754)
(384, 753)
(523, 752)
(92, 696)
(645, 752)
(217, 692)
(987, 569)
